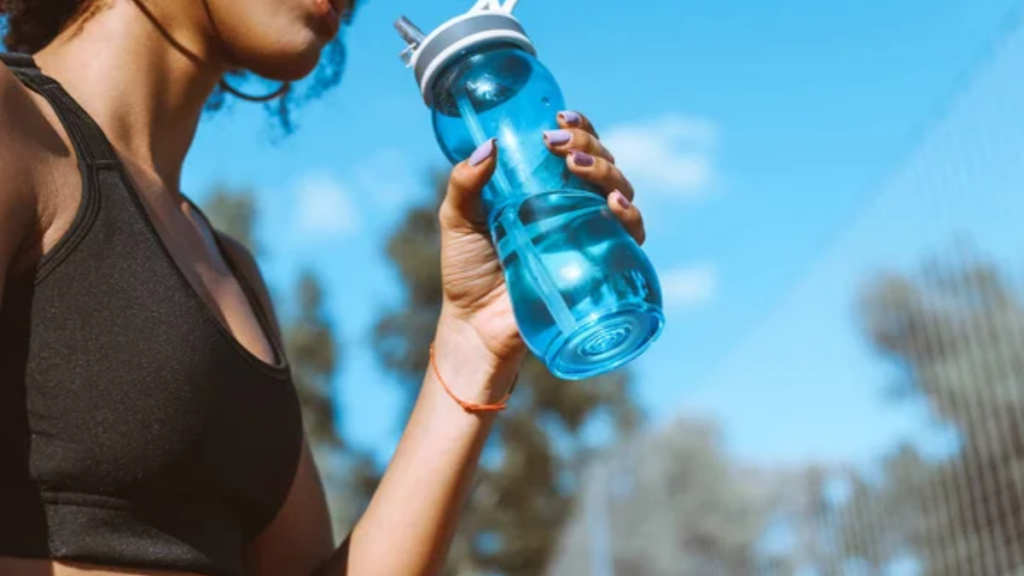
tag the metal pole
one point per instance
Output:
(601, 556)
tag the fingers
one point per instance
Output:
(572, 119)
(600, 172)
(463, 205)
(564, 140)
(586, 156)
(629, 215)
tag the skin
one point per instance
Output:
(147, 94)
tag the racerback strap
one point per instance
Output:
(90, 144)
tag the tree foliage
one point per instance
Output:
(955, 334)
(672, 504)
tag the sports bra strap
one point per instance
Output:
(90, 143)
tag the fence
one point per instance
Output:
(872, 424)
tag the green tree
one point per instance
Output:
(532, 463)
(313, 354)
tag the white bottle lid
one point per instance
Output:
(487, 22)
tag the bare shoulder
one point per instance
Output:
(18, 200)
(20, 119)
(14, 103)
(40, 184)
(30, 130)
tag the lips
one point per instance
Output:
(329, 12)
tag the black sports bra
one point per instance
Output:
(135, 431)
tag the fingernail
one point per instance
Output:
(557, 137)
(582, 159)
(622, 200)
(482, 153)
(571, 118)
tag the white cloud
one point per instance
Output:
(384, 178)
(689, 287)
(325, 207)
(672, 155)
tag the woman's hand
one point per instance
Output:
(477, 312)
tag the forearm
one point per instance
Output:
(408, 527)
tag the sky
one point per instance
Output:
(766, 141)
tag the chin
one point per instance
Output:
(286, 66)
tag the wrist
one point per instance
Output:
(470, 366)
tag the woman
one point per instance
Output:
(147, 421)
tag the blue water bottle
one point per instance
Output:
(586, 298)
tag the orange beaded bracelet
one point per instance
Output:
(471, 407)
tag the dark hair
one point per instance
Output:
(27, 26)
(33, 24)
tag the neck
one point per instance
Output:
(141, 79)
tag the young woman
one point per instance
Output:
(148, 424)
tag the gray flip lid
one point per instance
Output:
(487, 22)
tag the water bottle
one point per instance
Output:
(586, 298)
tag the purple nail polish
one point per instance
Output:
(622, 200)
(482, 153)
(557, 137)
(571, 118)
(582, 159)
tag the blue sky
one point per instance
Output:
(756, 132)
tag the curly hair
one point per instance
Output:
(27, 26)
(31, 25)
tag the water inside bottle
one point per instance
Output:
(574, 237)
(580, 302)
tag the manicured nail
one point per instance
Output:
(482, 153)
(582, 159)
(557, 137)
(622, 200)
(571, 118)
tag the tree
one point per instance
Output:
(312, 349)
(954, 332)
(673, 504)
(861, 532)
(532, 462)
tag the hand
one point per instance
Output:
(477, 310)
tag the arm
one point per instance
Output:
(410, 522)
(408, 526)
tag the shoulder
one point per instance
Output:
(31, 133)
(13, 142)
(20, 117)
(9, 87)
(18, 202)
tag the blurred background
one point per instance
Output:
(834, 194)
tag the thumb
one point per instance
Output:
(463, 204)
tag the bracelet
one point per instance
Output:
(471, 407)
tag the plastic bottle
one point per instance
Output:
(586, 298)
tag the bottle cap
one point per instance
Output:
(487, 22)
